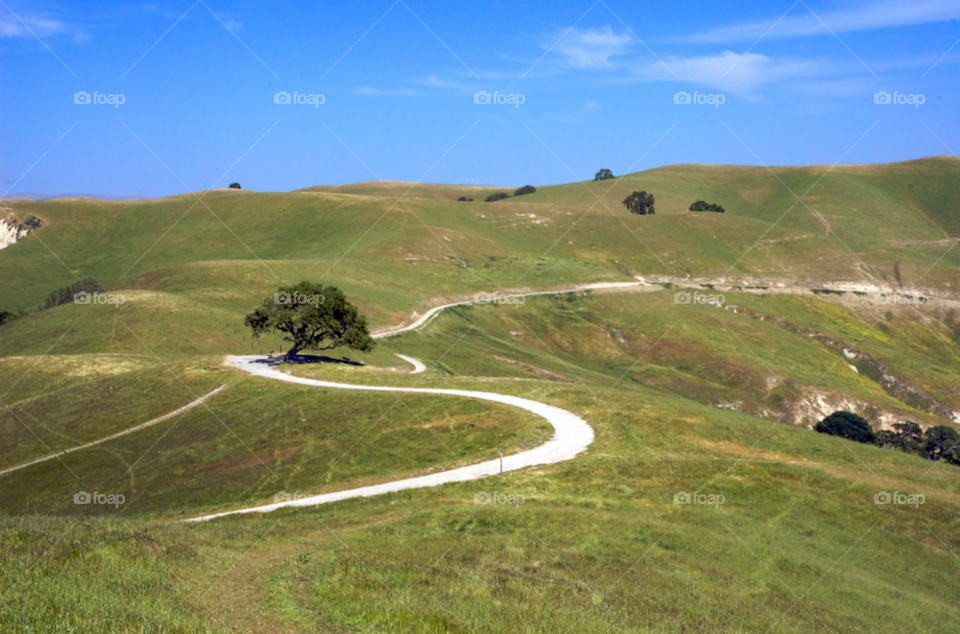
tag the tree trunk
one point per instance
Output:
(292, 353)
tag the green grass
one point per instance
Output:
(598, 544)
(385, 253)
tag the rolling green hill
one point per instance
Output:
(693, 398)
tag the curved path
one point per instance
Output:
(572, 435)
(427, 316)
(418, 367)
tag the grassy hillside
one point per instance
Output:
(885, 215)
(683, 398)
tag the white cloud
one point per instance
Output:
(591, 48)
(732, 72)
(801, 22)
(12, 27)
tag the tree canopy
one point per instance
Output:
(603, 175)
(526, 189)
(234, 186)
(311, 317)
(940, 443)
(702, 205)
(640, 203)
(492, 198)
(847, 425)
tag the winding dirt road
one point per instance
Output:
(572, 435)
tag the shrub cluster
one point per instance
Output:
(65, 295)
(937, 443)
(464, 199)
(492, 198)
(526, 189)
(702, 205)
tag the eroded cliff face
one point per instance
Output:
(12, 231)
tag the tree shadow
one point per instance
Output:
(303, 359)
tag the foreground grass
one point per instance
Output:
(597, 544)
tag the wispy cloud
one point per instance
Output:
(801, 21)
(10, 26)
(751, 72)
(368, 91)
(592, 48)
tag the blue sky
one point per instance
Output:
(599, 84)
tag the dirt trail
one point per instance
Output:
(572, 435)
(167, 416)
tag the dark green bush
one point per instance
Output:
(847, 425)
(497, 196)
(65, 295)
(702, 205)
(526, 189)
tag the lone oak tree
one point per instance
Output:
(311, 317)
(640, 203)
